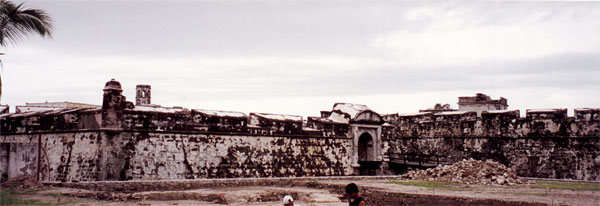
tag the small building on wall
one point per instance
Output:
(481, 102)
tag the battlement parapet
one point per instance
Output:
(44, 120)
(433, 124)
(157, 118)
(587, 121)
(328, 127)
(587, 114)
(117, 114)
(547, 113)
(215, 120)
(499, 123)
(276, 123)
(4, 109)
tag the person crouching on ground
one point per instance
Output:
(352, 194)
(288, 201)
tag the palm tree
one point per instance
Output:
(16, 21)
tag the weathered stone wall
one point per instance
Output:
(544, 144)
(18, 156)
(564, 158)
(22, 159)
(99, 155)
(67, 156)
(190, 156)
(4, 149)
(123, 141)
(75, 146)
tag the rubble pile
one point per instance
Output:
(468, 172)
(22, 182)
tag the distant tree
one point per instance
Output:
(16, 21)
(439, 106)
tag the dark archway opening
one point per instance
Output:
(365, 147)
(366, 155)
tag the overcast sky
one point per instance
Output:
(300, 57)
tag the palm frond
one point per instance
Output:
(16, 21)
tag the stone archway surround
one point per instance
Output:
(375, 132)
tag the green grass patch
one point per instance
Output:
(578, 186)
(433, 185)
(7, 197)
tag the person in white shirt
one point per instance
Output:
(289, 201)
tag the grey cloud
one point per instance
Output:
(162, 29)
(549, 72)
(182, 31)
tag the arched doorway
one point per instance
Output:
(365, 147)
(366, 155)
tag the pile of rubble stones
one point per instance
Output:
(23, 182)
(468, 172)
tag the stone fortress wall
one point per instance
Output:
(97, 155)
(124, 141)
(544, 143)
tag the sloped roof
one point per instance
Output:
(454, 113)
(338, 118)
(350, 109)
(65, 104)
(545, 110)
(586, 109)
(413, 114)
(23, 109)
(3, 108)
(279, 117)
(220, 113)
(29, 113)
(334, 118)
(500, 111)
(157, 109)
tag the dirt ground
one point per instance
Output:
(328, 193)
(519, 193)
(234, 196)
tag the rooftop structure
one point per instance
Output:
(48, 106)
(438, 108)
(142, 94)
(481, 102)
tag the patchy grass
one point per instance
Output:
(545, 193)
(7, 197)
(433, 185)
(31, 191)
(577, 186)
